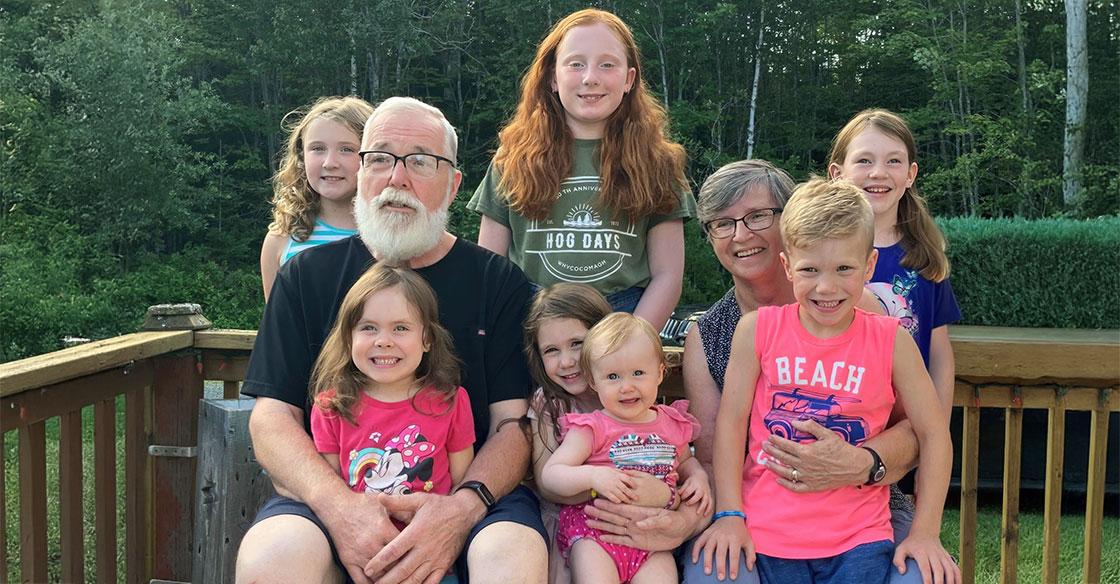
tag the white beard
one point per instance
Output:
(398, 237)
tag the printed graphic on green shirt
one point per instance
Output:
(577, 243)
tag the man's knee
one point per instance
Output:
(505, 551)
(285, 548)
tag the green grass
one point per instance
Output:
(987, 539)
(1030, 562)
(11, 492)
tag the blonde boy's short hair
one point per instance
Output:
(608, 334)
(826, 209)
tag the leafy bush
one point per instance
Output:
(55, 283)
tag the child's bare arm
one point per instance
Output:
(930, 422)
(695, 488)
(566, 475)
(458, 462)
(728, 535)
(942, 366)
(333, 460)
(743, 370)
(544, 444)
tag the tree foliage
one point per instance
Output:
(147, 130)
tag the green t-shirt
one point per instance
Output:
(579, 241)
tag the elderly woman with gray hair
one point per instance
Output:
(738, 207)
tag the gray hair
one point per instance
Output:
(414, 105)
(727, 185)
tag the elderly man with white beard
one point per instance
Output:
(316, 529)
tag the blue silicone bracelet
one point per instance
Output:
(723, 514)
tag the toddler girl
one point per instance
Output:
(623, 363)
(388, 413)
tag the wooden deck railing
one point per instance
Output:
(160, 376)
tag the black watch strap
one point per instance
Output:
(480, 490)
(878, 470)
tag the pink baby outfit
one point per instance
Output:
(653, 447)
(844, 384)
(397, 447)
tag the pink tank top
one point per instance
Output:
(844, 384)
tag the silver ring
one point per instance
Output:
(795, 473)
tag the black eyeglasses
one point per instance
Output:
(418, 164)
(756, 220)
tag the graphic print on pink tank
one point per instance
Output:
(843, 384)
(650, 447)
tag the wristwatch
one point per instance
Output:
(878, 469)
(480, 490)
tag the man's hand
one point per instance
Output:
(360, 528)
(828, 463)
(644, 528)
(434, 537)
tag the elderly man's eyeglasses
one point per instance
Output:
(756, 220)
(418, 164)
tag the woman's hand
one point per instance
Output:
(644, 528)
(828, 463)
(721, 544)
(936, 565)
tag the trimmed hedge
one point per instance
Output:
(54, 282)
(1005, 272)
(1048, 273)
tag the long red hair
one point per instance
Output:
(641, 170)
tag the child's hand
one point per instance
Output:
(936, 565)
(615, 485)
(696, 491)
(721, 543)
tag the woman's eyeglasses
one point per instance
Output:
(756, 220)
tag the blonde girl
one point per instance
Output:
(876, 151)
(314, 187)
(388, 413)
(606, 451)
(585, 186)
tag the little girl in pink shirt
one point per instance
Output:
(622, 360)
(388, 412)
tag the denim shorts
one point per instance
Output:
(626, 300)
(520, 506)
(868, 563)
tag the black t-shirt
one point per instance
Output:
(482, 302)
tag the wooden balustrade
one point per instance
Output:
(160, 376)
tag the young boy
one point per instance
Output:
(822, 359)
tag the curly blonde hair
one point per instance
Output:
(295, 206)
(642, 169)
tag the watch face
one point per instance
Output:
(880, 473)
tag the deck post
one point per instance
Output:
(231, 487)
(176, 393)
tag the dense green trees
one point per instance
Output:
(140, 135)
